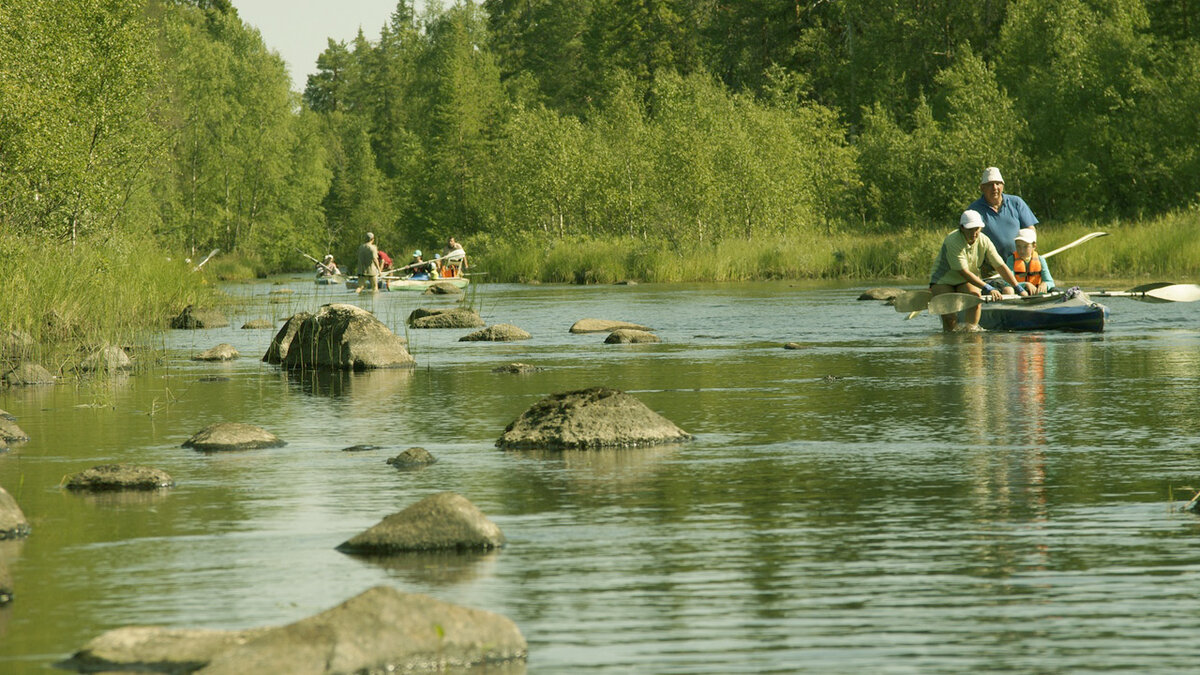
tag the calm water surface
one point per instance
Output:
(886, 499)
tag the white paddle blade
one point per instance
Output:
(950, 303)
(912, 301)
(1176, 293)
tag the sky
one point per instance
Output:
(300, 29)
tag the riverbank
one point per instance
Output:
(1164, 247)
(59, 302)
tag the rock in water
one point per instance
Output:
(457, 317)
(338, 337)
(232, 436)
(630, 336)
(13, 524)
(501, 332)
(120, 477)
(589, 418)
(442, 521)
(193, 317)
(602, 326)
(222, 352)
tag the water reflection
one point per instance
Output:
(123, 498)
(364, 385)
(435, 568)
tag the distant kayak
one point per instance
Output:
(412, 284)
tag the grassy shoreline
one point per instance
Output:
(61, 303)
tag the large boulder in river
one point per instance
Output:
(381, 630)
(438, 522)
(193, 317)
(630, 336)
(119, 477)
(443, 288)
(588, 419)
(501, 332)
(13, 524)
(26, 374)
(232, 436)
(338, 337)
(602, 326)
(222, 352)
(455, 317)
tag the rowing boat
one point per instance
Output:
(412, 284)
(1073, 311)
(330, 280)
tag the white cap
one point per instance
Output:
(370, 236)
(970, 219)
(991, 175)
(1027, 234)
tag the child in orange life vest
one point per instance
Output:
(1029, 267)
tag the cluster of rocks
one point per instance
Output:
(619, 332)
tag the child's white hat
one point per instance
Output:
(1027, 234)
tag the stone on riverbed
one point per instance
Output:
(886, 293)
(232, 436)
(28, 374)
(412, 458)
(455, 317)
(337, 337)
(517, 368)
(438, 522)
(120, 477)
(501, 332)
(630, 336)
(589, 419)
(193, 317)
(443, 288)
(258, 324)
(9, 431)
(110, 359)
(381, 630)
(13, 524)
(602, 326)
(222, 352)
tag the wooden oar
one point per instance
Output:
(912, 302)
(950, 303)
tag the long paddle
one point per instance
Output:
(912, 302)
(950, 303)
(206, 259)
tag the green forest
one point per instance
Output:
(133, 130)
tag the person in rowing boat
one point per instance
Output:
(327, 267)
(1028, 266)
(957, 268)
(1004, 216)
(421, 269)
(454, 259)
(368, 264)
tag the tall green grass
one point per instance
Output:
(69, 300)
(1166, 247)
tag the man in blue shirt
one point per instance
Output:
(1004, 216)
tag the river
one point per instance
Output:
(885, 498)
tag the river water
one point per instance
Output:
(884, 499)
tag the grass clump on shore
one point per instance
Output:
(58, 302)
(1165, 247)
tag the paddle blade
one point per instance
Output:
(912, 301)
(1175, 293)
(950, 303)
(912, 315)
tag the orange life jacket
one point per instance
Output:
(1031, 273)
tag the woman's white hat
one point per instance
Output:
(970, 219)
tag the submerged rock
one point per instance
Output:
(885, 293)
(28, 374)
(442, 521)
(258, 324)
(381, 630)
(630, 336)
(602, 326)
(222, 352)
(455, 317)
(589, 418)
(120, 477)
(13, 524)
(411, 458)
(193, 317)
(360, 448)
(232, 436)
(108, 359)
(338, 337)
(517, 368)
(501, 332)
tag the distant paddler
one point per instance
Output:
(327, 267)
(957, 269)
(368, 264)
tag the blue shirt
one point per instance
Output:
(1002, 228)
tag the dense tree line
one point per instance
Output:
(676, 121)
